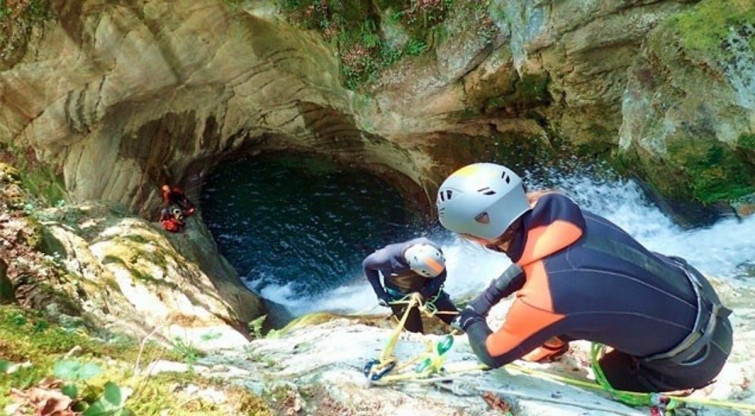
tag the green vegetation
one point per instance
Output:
(529, 90)
(706, 27)
(354, 26)
(746, 141)
(256, 326)
(713, 170)
(16, 21)
(43, 181)
(100, 379)
(704, 170)
(233, 4)
(31, 10)
(746, 147)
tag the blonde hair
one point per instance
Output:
(534, 196)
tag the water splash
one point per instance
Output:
(320, 269)
(724, 250)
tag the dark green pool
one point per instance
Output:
(297, 226)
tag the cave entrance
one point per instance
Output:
(297, 227)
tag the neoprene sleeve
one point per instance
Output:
(511, 280)
(477, 333)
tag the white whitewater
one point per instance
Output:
(725, 249)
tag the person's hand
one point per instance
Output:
(385, 302)
(465, 318)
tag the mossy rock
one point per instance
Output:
(746, 147)
(530, 90)
(9, 174)
(49, 244)
(705, 28)
(32, 336)
(698, 169)
(714, 171)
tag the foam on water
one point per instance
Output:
(723, 250)
(301, 247)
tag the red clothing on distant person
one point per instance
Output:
(171, 219)
(176, 196)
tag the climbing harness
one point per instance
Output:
(657, 401)
(430, 367)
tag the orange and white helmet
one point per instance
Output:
(425, 260)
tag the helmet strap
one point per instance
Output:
(507, 236)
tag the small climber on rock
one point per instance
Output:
(176, 196)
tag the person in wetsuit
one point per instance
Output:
(175, 196)
(577, 276)
(172, 219)
(414, 266)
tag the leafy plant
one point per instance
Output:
(186, 350)
(256, 326)
(415, 47)
(19, 320)
(111, 403)
(72, 370)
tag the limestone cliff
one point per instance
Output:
(162, 91)
(116, 98)
(93, 263)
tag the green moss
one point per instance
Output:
(704, 28)
(136, 238)
(26, 336)
(702, 170)
(354, 26)
(33, 10)
(746, 141)
(712, 171)
(234, 5)
(43, 181)
(133, 250)
(48, 244)
(135, 272)
(530, 90)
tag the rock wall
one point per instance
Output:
(151, 89)
(689, 106)
(164, 91)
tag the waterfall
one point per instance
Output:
(725, 249)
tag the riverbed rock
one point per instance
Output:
(318, 363)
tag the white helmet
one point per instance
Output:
(425, 260)
(481, 199)
(177, 213)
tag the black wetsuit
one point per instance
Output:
(399, 280)
(578, 276)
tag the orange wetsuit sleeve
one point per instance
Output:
(529, 322)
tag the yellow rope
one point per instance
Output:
(628, 397)
(391, 344)
(635, 398)
(641, 399)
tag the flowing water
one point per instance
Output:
(296, 230)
